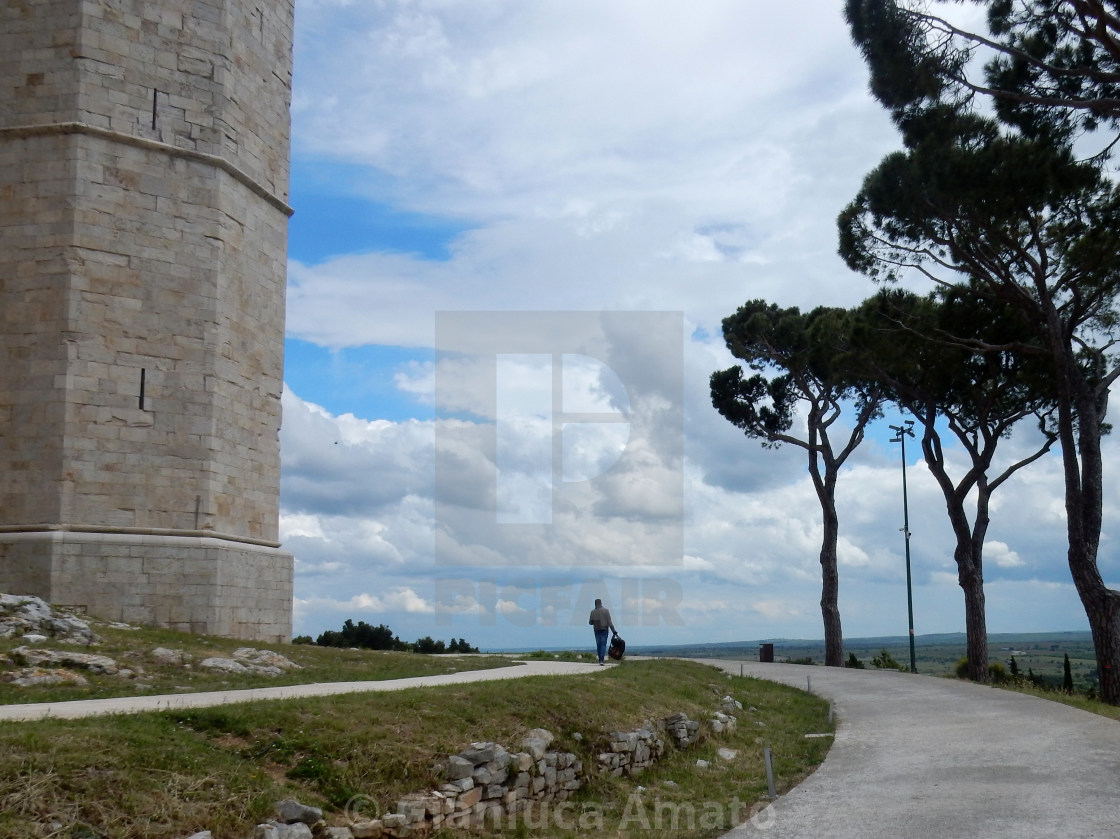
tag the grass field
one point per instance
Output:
(132, 649)
(169, 774)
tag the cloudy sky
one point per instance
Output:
(519, 224)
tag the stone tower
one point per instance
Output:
(143, 230)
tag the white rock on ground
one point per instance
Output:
(22, 615)
(250, 660)
(35, 676)
(98, 664)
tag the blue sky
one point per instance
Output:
(548, 174)
(356, 380)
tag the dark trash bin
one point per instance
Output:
(766, 653)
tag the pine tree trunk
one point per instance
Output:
(968, 553)
(1080, 428)
(830, 592)
(976, 627)
(830, 578)
(970, 575)
(826, 486)
(1102, 607)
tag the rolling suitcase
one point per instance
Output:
(617, 647)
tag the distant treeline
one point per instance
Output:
(381, 637)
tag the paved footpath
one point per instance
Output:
(166, 702)
(919, 757)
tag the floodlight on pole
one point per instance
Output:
(901, 432)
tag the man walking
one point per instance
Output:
(601, 622)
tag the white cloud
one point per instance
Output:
(300, 524)
(1002, 555)
(614, 157)
(510, 106)
(402, 599)
(606, 156)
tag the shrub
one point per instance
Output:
(361, 635)
(854, 662)
(962, 668)
(429, 646)
(885, 661)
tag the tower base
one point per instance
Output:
(200, 584)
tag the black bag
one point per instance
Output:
(617, 647)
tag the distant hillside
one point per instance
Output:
(815, 647)
(805, 647)
(1041, 653)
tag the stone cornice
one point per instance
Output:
(63, 128)
(99, 532)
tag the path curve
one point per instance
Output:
(919, 757)
(176, 701)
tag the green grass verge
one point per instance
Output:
(222, 769)
(559, 655)
(1074, 700)
(131, 648)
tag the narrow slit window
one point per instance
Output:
(143, 382)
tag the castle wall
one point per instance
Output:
(192, 584)
(143, 225)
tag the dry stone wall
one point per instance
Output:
(633, 751)
(487, 784)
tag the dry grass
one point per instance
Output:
(132, 650)
(169, 774)
(1075, 700)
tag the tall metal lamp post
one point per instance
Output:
(901, 432)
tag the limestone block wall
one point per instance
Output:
(211, 76)
(143, 225)
(192, 584)
(142, 390)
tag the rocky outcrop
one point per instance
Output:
(172, 658)
(34, 676)
(26, 616)
(247, 660)
(31, 657)
(41, 666)
(57, 667)
(34, 622)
